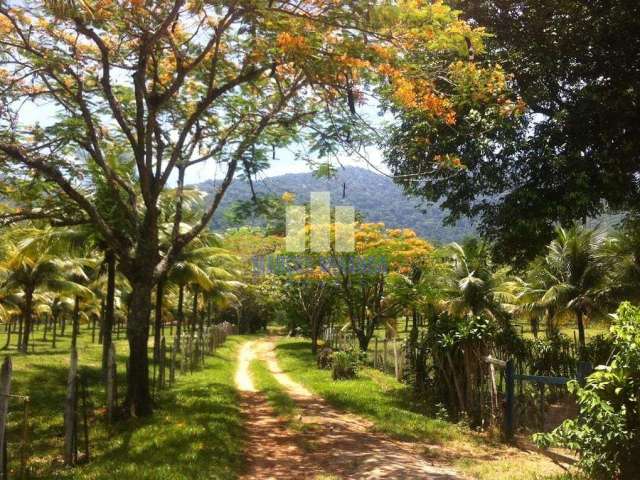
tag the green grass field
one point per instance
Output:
(196, 431)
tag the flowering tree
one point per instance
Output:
(136, 92)
(366, 275)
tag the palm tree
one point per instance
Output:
(32, 264)
(61, 303)
(572, 276)
(9, 310)
(474, 283)
(203, 268)
(622, 250)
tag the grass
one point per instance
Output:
(374, 395)
(265, 382)
(387, 404)
(196, 430)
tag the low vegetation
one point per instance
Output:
(198, 419)
(388, 404)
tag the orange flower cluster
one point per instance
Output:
(419, 95)
(292, 43)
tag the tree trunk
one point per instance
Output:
(194, 313)
(102, 315)
(201, 319)
(315, 333)
(9, 330)
(138, 401)
(158, 320)
(180, 315)
(47, 322)
(28, 314)
(535, 326)
(20, 329)
(109, 313)
(363, 340)
(581, 337)
(76, 322)
(54, 333)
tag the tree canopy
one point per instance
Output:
(573, 155)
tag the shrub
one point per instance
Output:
(552, 356)
(599, 349)
(607, 430)
(324, 358)
(344, 365)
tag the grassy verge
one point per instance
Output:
(387, 403)
(195, 432)
(374, 395)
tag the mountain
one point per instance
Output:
(375, 196)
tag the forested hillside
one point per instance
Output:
(375, 196)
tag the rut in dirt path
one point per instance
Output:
(332, 442)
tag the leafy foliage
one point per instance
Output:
(570, 156)
(344, 365)
(607, 430)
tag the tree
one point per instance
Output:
(474, 283)
(254, 75)
(361, 275)
(30, 267)
(312, 299)
(573, 276)
(574, 152)
(622, 249)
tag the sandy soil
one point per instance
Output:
(328, 444)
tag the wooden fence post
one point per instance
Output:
(163, 355)
(172, 365)
(384, 355)
(583, 370)
(375, 354)
(509, 374)
(494, 390)
(70, 420)
(396, 367)
(24, 441)
(111, 382)
(5, 391)
(541, 388)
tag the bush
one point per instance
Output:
(607, 430)
(552, 356)
(599, 349)
(324, 358)
(344, 365)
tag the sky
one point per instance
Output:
(285, 161)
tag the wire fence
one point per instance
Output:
(184, 355)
